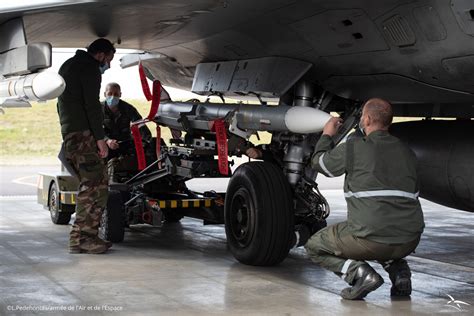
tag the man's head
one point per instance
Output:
(103, 51)
(376, 115)
(112, 94)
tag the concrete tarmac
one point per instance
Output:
(186, 269)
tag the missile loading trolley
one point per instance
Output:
(260, 208)
(269, 206)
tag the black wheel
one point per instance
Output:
(112, 226)
(57, 217)
(259, 219)
(172, 217)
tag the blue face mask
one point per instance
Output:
(112, 101)
(103, 67)
(361, 128)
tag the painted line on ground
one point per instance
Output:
(22, 181)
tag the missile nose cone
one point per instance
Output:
(48, 85)
(304, 120)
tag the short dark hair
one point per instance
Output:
(380, 111)
(101, 45)
(113, 85)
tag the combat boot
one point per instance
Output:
(90, 246)
(400, 275)
(366, 280)
(106, 243)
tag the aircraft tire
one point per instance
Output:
(259, 219)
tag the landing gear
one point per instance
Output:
(259, 219)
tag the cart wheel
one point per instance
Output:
(172, 217)
(112, 225)
(259, 219)
(57, 217)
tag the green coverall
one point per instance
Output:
(385, 220)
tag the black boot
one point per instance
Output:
(366, 281)
(400, 275)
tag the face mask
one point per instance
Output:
(112, 101)
(103, 67)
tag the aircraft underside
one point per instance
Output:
(331, 55)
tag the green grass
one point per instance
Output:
(33, 135)
(30, 132)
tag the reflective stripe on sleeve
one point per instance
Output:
(343, 140)
(397, 193)
(323, 166)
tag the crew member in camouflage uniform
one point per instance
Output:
(84, 147)
(118, 115)
(385, 220)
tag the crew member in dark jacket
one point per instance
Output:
(118, 115)
(385, 220)
(84, 147)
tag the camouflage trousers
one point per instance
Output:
(82, 154)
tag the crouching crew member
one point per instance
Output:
(385, 220)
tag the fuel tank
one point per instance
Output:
(445, 152)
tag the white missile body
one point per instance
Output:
(40, 86)
(305, 120)
(295, 119)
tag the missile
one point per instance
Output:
(295, 119)
(40, 86)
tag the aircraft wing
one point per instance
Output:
(406, 51)
(419, 55)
